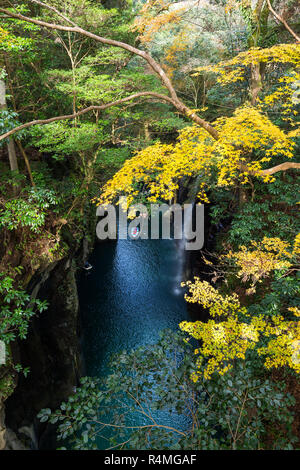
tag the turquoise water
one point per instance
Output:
(132, 293)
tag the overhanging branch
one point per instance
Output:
(282, 20)
(270, 171)
(282, 167)
(111, 42)
(181, 107)
(86, 110)
(172, 99)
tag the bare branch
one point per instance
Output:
(279, 18)
(174, 100)
(282, 167)
(181, 107)
(42, 4)
(86, 110)
(271, 171)
(76, 29)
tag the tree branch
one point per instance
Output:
(76, 29)
(42, 4)
(279, 18)
(271, 171)
(86, 110)
(181, 107)
(173, 99)
(282, 167)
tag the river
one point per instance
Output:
(132, 293)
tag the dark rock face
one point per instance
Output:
(51, 350)
(2, 428)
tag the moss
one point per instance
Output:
(7, 386)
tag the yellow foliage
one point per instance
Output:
(179, 44)
(224, 341)
(221, 343)
(243, 133)
(283, 97)
(261, 258)
(233, 70)
(144, 168)
(6, 39)
(3, 35)
(153, 16)
(231, 331)
(202, 196)
(209, 297)
(157, 169)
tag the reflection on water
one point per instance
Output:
(132, 293)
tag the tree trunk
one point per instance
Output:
(10, 145)
(243, 197)
(12, 155)
(256, 83)
(26, 162)
(260, 14)
(147, 132)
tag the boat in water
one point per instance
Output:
(135, 232)
(87, 266)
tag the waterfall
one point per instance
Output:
(182, 254)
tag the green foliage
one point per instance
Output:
(29, 212)
(12, 42)
(169, 124)
(272, 213)
(236, 411)
(8, 121)
(110, 160)
(16, 309)
(61, 139)
(52, 73)
(7, 385)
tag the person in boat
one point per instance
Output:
(135, 231)
(87, 266)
